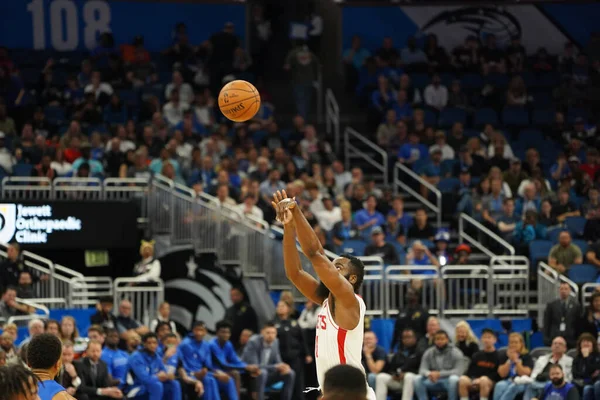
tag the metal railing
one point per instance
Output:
(493, 240)
(86, 291)
(587, 290)
(318, 85)
(373, 289)
(401, 172)
(145, 297)
(469, 290)
(332, 119)
(398, 279)
(510, 280)
(41, 311)
(352, 142)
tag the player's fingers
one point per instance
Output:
(284, 194)
(274, 205)
(275, 197)
(279, 195)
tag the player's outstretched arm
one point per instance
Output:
(305, 282)
(348, 314)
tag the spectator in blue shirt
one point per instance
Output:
(115, 358)
(402, 107)
(368, 218)
(356, 55)
(224, 356)
(432, 172)
(384, 97)
(96, 167)
(411, 54)
(195, 356)
(560, 169)
(412, 151)
(150, 375)
(508, 219)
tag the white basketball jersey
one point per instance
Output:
(334, 345)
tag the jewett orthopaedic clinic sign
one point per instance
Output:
(69, 224)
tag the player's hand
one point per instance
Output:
(199, 388)
(308, 359)
(283, 206)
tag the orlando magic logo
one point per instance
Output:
(8, 216)
(478, 21)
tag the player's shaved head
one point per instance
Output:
(351, 268)
(344, 382)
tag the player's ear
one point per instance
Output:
(352, 279)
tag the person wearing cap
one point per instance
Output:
(432, 172)
(483, 369)
(442, 237)
(419, 255)
(564, 207)
(379, 248)
(462, 253)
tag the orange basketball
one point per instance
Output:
(239, 101)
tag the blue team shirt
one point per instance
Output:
(117, 362)
(362, 217)
(194, 355)
(225, 357)
(144, 367)
(48, 389)
(407, 150)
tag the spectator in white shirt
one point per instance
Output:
(124, 144)
(101, 90)
(272, 184)
(173, 110)
(186, 93)
(149, 268)
(309, 144)
(342, 177)
(248, 207)
(436, 94)
(7, 160)
(440, 143)
(182, 149)
(498, 140)
(223, 195)
(330, 214)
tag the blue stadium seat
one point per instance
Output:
(515, 117)
(553, 234)
(538, 251)
(447, 185)
(449, 116)
(447, 78)
(479, 324)
(575, 225)
(258, 136)
(542, 100)
(471, 82)
(502, 340)
(55, 115)
(577, 113)
(582, 244)
(419, 81)
(542, 118)
(548, 80)
(485, 116)
(531, 137)
(582, 273)
(521, 325)
(529, 78)
(22, 169)
(129, 97)
(354, 247)
(497, 80)
(469, 133)
(430, 117)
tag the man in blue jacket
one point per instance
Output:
(195, 355)
(150, 376)
(224, 357)
(116, 359)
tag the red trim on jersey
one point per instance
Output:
(341, 341)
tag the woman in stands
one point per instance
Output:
(465, 339)
(68, 329)
(515, 365)
(590, 322)
(586, 367)
(148, 269)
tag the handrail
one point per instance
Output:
(436, 208)
(318, 85)
(332, 118)
(350, 149)
(329, 254)
(35, 305)
(462, 235)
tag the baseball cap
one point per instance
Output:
(463, 247)
(376, 231)
(574, 159)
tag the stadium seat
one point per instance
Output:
(449, 116)
(575, 225)
(485, 116)
(354, 247)
(447, 185)
(471, 82)
(538, 251)
(498, 80)
(502, 340)
(582, 244)
(521, 325)
(479, 324)
(572, 353)
(515, 117)
(553, 234)
(55, 115)
(430, 118)
(576, 113)
(542, 118)
(548, 80)
(540, 351)
(542, 100)
(420, 81)
(22, 170)
(582, 273)
(447, 167)
(531, 137)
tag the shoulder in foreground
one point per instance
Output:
(63, 396)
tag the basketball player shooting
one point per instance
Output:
(340, 323)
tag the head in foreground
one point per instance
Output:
(44, 355)
(344, 382)
(18, 383)
(351, 268)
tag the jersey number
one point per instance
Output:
(321, 323)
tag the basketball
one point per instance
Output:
(239, 101)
